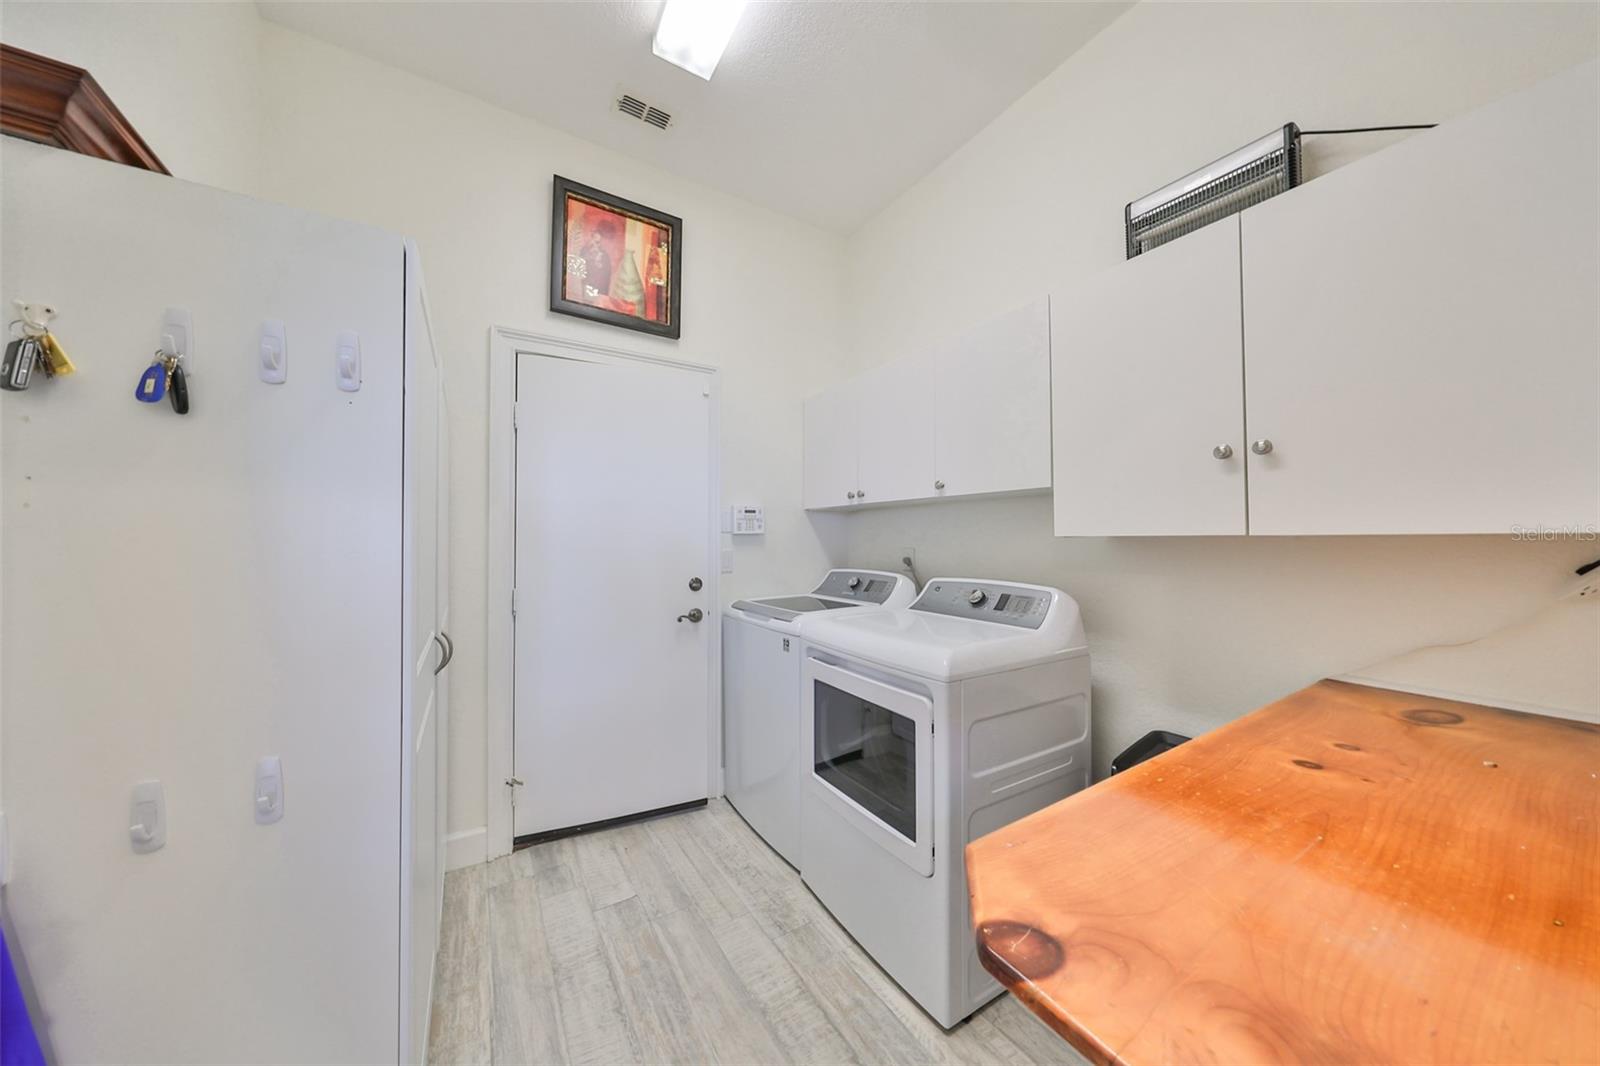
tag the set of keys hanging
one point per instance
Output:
(164, 377)
(33, 347)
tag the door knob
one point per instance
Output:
(1222, 451)
(1261, 447)
(861, 494)
(695, 614)
(938, 486)
(695, 584)
(850, 495)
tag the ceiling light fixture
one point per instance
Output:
(693, 33)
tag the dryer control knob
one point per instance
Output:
(976, 597)
(854, 582)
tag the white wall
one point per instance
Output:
(761, 300)
(1188, 633)
(185, 74)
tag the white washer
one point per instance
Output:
(923, 729)
(761, 695)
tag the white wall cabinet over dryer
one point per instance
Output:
(1406, 345)
(969, 418)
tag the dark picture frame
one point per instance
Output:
(606, 260)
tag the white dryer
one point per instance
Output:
(923, 729)
(761, 695)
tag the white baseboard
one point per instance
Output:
(467, 847)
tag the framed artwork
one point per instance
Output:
(614, 261)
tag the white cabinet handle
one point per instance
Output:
(1222, 451)
(1261, 447)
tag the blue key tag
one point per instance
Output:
(152, 387)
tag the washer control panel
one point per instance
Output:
(986, 601)
(862, 586)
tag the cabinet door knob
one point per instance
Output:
(861, 494)
(1222, 451)
(1261, 447)
(849, 495)
(939, 485)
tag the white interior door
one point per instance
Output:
(613, 522)
(441, 712)
(421, 855)
(1148, 391)
(184, 595)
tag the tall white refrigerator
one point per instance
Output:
(185, 597)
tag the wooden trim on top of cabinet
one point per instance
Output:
(58, 104)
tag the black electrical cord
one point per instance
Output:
(1586, 567)
(1370, 129)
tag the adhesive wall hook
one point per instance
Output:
(177, 337)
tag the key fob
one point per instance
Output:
(152, 384)
(178, 391)
(17, 372)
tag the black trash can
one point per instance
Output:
(1147, 747)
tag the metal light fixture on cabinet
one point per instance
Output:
(1258, 171)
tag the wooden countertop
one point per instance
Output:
(1346, 875)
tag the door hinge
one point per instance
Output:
(513, 601)
(515, 408)
(513, 782)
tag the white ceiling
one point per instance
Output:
(825, 110)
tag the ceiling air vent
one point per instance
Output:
(632, 105)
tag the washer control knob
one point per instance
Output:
(976, 597)
(854, 583)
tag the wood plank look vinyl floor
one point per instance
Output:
(680, 940)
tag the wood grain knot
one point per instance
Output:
(1431, 716)
(1347, 747)
(1308, 764)
(1024, 948)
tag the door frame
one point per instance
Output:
(505, 345)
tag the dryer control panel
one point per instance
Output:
(863, 586)
(986, 601)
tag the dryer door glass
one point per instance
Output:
(869, 754)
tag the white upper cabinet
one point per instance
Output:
(1148, 397)
(894, 431)
(829, 425)
(1421, 329)
(968, 419)
(1409, 344)
(993, 402)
